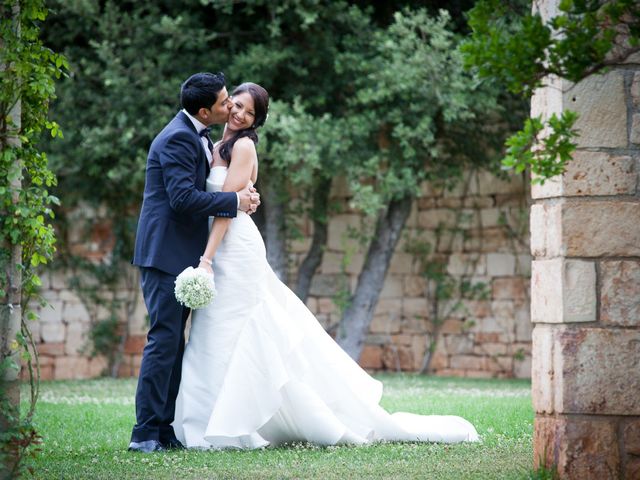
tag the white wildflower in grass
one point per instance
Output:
(195, 288)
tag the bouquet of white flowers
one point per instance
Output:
(195, 288)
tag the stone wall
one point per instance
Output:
(479, 230)
(586, 284)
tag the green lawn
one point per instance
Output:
(86, 427)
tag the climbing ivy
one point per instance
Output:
(28, 70)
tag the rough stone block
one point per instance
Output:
(579, 448)
(635, 129)
(415, 307)
(451, 325)
(601, 105)
(458, 344)
(397, 358)
(545, 225)
(598, 173)
(563, 291)
(432, 219)
(591, 174)
(402, 263)
(477, 308)
(493, 349)
(426, 203)
(468, 362)
(543, 382)
(135, 344)
(501, 264)
(635, 90)
(439, 361)
(523, 325)
(489, 184)
(371, 357)
(326, 305)
(604, 228)
(97, 366)
(73, 312)
(491, 217)
(523, 264)
(355, 264)
(597, 370)
(522, 368)
(389, 306)
(385, 323)
(414, 285)
(509, 288)
(331, 263)
(338, 232)
(449, 202)
(392, 287)
(632, 468)
(466, 264)
(619, 293)
(52, 313)
(497, 364)
(487, 240)
(71, 368)
(52, 332)
(631, 436)
(53, 349)
(76, 338)
(325, 285)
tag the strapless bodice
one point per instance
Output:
(216, 179)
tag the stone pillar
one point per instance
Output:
(585, 287)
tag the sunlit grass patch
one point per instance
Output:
(86, 427)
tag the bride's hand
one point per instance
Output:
(249, 199)
(205, 266)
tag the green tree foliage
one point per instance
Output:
(516, 47)
(415, 115)
(359, 94)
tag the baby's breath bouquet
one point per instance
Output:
(195, 288)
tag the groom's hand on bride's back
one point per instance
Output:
(249, 199)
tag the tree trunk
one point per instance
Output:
(272, 198)
(320, 232)
(357, 317)
(10, 309)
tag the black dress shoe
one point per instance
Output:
(147, 446)
(173, 444)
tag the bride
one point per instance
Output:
(259, 369)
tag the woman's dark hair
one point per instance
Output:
(261, 109)
(201, 91)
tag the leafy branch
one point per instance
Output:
(519, 48)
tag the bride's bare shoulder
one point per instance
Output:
(244, 142)
(244, 147)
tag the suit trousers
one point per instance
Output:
(161, 368)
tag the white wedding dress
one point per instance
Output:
(260, 370)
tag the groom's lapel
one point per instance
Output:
(203, 156)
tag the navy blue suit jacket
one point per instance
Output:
(173, 229)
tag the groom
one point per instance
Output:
(172, 233)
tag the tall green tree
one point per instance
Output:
(416, 116)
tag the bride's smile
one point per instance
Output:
(242, 114)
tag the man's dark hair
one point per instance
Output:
(201, 90)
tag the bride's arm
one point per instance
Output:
(243, 159)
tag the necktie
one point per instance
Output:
(205, 133)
